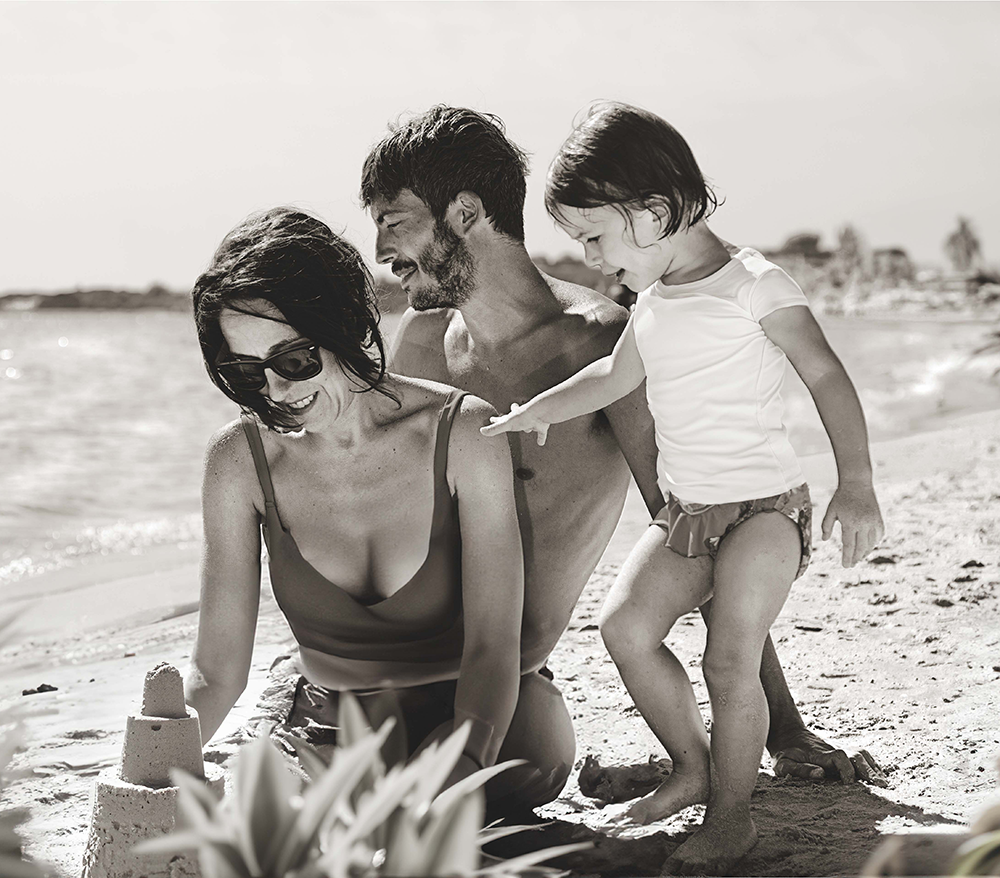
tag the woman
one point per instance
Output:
(390, 522)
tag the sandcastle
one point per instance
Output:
(135, 801)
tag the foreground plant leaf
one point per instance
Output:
(346, 769)
(980, 855)
(526, 861)
(12, 866)
(494, 832)
(311, 760)
(451, 839)
(353, 726)
(219, 859)
(377, 807)
(264, 788)
(472, 782)
(438, 761)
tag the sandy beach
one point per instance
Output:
(899, 656)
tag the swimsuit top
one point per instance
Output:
(419, 623)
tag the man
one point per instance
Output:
(446, 191)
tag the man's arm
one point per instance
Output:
(796, 751)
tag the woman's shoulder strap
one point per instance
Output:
(445, 420)
(259, 458)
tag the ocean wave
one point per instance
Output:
(121, 537)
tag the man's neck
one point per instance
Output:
(510, 299)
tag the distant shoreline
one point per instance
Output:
(391, 299)
(156, 297)
(884, 303)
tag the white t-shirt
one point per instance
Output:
(713, 382)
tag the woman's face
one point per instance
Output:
(311, 401)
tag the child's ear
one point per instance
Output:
(661, 210)
(465, 211)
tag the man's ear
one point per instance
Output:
(465, 211)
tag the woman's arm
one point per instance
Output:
(230, 582)
(797, 333)
(592, 388)
(492, 581)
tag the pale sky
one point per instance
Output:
(133, 136)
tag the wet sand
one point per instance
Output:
(900, 655)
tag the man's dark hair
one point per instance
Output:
(447, 150)
(317, 282)
(625, 156)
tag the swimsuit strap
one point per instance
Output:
(259, 459)
(448, 412)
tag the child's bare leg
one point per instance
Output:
(753, 573)
(656, 586)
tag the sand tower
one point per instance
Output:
(135, 801)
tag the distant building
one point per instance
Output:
(803, 258)
(892, 265)
(802, 248)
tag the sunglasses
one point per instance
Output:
(295, 363)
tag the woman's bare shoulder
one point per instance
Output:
(229, 466)
(418, 396)
(469, 448)
(474, 412)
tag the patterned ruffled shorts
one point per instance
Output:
(695, 529)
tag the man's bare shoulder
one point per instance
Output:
(424, 328)
(418, 347)
(588, 316)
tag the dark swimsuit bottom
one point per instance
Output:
(411, 638)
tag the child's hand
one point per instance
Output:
(861, 527)
(520, 418)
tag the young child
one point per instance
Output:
(710, 335)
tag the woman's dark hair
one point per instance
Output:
(447, 150)
(317, 282)
(624, 156)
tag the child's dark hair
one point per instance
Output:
(444, 151)
(318, 283)
(625, 156)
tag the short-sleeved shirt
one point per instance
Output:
(713, 382)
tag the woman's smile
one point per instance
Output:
(304, 403)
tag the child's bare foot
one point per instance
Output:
(718, 845)
(674, 794)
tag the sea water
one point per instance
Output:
(105, 415)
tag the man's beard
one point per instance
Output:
(450, 271)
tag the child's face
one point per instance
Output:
(631, 250)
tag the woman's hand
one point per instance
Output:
(524, 419)
(861, 527)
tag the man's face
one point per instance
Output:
(432, 262)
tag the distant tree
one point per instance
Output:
(892, 266)
(851, 265)
(962, 247)
(851, 251)
(803, 244)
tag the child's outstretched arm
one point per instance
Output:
(797, 333)
(592, 388)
